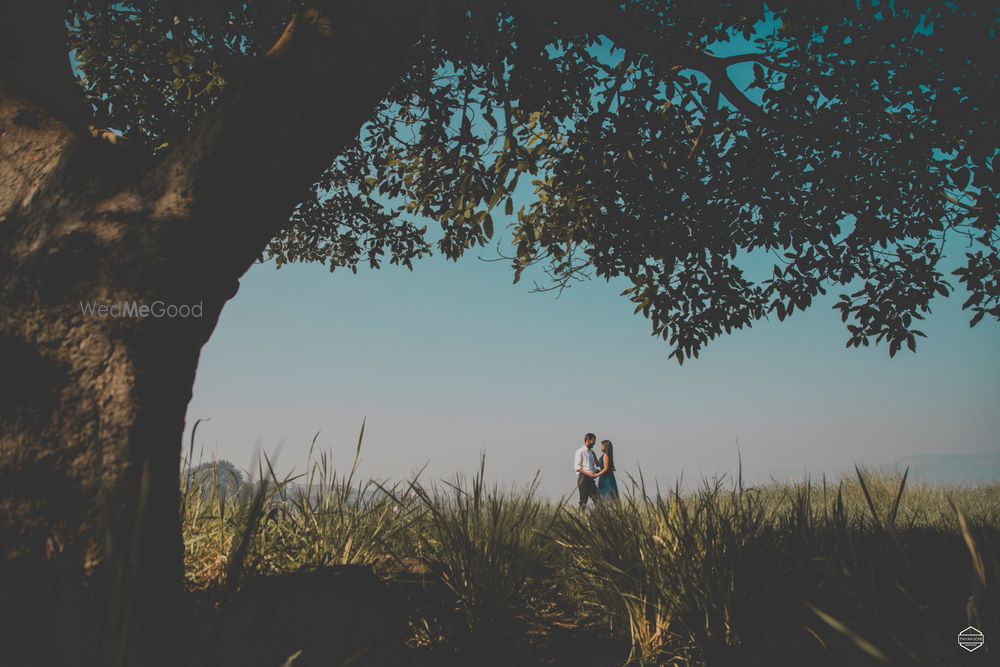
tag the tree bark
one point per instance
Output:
(92, 407)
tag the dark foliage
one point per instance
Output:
(864, 140)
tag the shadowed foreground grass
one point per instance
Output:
(869, 569)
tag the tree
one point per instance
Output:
(215, 479)
(191, 139)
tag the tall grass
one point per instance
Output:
(868, 569)
(486, 544)
(735, 575)
(690, 574)
(336, 519)
(301, 521)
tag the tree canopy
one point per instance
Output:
(214, 479)
(664, 142)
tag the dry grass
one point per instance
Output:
(868, 569)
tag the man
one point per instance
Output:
(585, 464)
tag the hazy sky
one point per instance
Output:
(451, 360)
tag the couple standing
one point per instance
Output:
(595, 477)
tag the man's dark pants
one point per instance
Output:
(587, 489)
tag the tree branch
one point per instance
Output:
(758, 58)
(232, 183)
(34, 60)
(968, 207)
(716, 70)
(498, 76)
(605, 17)
(621, 72)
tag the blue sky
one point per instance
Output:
(452, 360)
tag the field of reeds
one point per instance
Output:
(873, 568)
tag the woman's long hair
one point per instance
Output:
(609, 449)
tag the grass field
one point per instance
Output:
(868, 569)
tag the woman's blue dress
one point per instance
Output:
(607, 487)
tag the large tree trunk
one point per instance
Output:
(88, 403)
(92, 406)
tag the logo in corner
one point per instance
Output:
(970, 639)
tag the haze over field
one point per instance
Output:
(451, 360)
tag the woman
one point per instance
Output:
(607, 487)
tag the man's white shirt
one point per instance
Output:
(585, 460)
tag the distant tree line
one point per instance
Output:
(219, 479)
